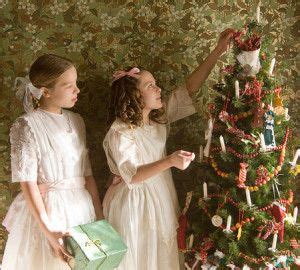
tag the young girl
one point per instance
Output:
(143, 206)
(50, 160)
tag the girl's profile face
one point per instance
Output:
(65, 91)
(150, 92)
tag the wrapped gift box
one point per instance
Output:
(95, 246)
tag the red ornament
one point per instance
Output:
(258, 117)
(181, 231)
(242, 175)
(279, 214)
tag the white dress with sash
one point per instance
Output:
(145, 214)
(48, 149)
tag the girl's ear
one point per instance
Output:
(45, 91)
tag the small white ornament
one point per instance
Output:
(246, 267)
(216, 220)
(219, 254)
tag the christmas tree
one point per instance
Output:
(242, 214)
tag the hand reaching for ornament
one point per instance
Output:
(225, 40)
(181, 159)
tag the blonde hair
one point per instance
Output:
(47, 68)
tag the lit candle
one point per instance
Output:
(295, 214)
(191, 241)
(201, 153)
(274, 243)
(205, 190)
(262, 142)
(286, 114)
(228, 223)
(294, 162)
(222, 144)
(258, 13)
(248, 197)
(272, 65)
(237, 89)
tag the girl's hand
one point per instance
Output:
(181, 159)
(57, 244)
(224, 40)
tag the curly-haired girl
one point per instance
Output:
(142, 205)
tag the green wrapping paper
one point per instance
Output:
(95, 246)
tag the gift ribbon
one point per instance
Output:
(83, 239)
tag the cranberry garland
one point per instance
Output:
(263, 175)
(243, 221)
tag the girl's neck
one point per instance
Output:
(50, 108)
(146, 118)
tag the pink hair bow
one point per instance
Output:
(121, 73)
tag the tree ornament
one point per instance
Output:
(257, 121)
(278, 104)
(183, 224)
(216, 220)
(269, 135)
(279, 214)
(242, 175)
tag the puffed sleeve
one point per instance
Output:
(122, 154)
(179, 104)
(24, 158)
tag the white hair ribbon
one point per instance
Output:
(24, 92)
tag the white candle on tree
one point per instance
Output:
(201, 153)
(258, 13)
(272, 65)
(248, 197)
(191, 241)
(274, 243)
(237, 89)
(222, 144)
(294, 162)
(205, 190)
(295, 214)
(262, 142)
(228, 225)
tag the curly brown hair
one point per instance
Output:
(127, 104)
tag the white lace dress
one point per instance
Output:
(49, 149)
(145, 214)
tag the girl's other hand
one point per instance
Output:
(181, 159)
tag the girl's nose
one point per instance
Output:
(158, 89)
(77, 90)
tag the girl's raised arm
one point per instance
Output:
(195, 80)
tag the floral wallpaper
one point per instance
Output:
(169, 38)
